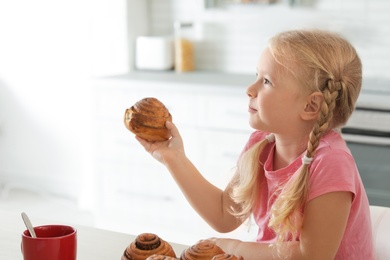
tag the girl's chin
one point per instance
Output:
(255, 124)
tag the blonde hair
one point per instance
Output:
(322, 61)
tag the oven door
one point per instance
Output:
(371, 150)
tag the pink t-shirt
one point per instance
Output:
(332, 169)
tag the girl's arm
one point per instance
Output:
(211, 203)
(324, 223)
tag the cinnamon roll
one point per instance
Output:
(160, 257)
(145, 245)
(203, 250)
(146, 119)
(227, 257)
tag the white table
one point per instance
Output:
(92, 243)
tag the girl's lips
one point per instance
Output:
(251, 110)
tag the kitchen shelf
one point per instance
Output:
(201, 78)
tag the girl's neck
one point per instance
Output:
(288, 149)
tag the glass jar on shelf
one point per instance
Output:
(184, 47)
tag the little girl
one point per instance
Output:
(296, 175)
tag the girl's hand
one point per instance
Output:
(165, 151)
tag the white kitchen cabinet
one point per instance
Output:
(212, 118)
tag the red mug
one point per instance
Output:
(53, 242)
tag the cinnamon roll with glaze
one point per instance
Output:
(146, 119)
(227, 257)
(203, 250)
(145, 245)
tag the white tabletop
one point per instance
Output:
(92, 243)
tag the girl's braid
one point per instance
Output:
(330, 92)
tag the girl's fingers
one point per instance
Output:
(172, 127)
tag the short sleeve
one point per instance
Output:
(331, 171)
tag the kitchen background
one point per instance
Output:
(50, 50)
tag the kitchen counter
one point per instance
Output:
(92, 243)
(209, 108)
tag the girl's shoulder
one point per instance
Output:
(333, 142)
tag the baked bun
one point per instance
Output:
(203, 250)
(161, 257)
(227, 257)
(146, 119)
(145, 245)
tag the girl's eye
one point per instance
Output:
(266, 81)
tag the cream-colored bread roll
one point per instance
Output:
(146, 119)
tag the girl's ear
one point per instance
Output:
(312, 106)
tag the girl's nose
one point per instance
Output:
(251, 91)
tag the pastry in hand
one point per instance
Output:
(146, 119)
(145, 245)
(203, 250)
(227, 257)
(160, 257)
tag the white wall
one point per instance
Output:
(234, 35)
(48, 50)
